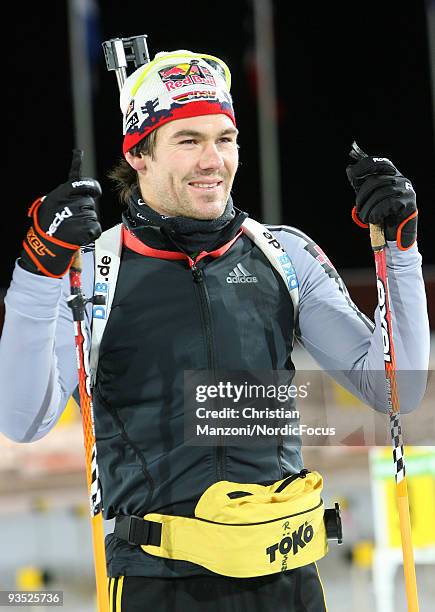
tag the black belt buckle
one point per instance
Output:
(333, 525)
(137, 530)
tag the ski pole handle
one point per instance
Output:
(77, 261)
(377, 237)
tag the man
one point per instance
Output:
(175, 310)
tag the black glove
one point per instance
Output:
(63, 221)
(384, 196)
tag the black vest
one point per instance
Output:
(166, 319)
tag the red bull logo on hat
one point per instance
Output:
(183, 75)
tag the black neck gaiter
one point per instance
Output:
(188, 235)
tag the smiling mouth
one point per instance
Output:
(208, 186)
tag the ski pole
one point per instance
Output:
(118, 53)
(77, 302)
(378, 242)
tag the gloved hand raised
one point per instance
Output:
(63, 221)
(384, 196)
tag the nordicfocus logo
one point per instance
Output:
(58, 218)
(240, 274)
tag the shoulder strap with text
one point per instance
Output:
(108, 249)
(276, 255)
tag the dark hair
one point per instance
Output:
(123, 175)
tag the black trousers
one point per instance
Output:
(298, 590)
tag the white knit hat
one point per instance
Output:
(174, 85)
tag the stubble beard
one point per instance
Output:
(184, 205)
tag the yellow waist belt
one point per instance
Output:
(242, 530)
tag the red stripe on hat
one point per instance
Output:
(190, 109)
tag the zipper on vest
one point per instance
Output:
(198, 278)
(206, 316)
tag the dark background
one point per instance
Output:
(356, 72)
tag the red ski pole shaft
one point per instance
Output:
(378, 243)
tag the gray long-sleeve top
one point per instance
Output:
(38, 368)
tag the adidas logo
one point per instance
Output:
(239, 274)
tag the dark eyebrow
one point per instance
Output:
(196, 134)
(228, 131)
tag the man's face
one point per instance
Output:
(193, 169)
